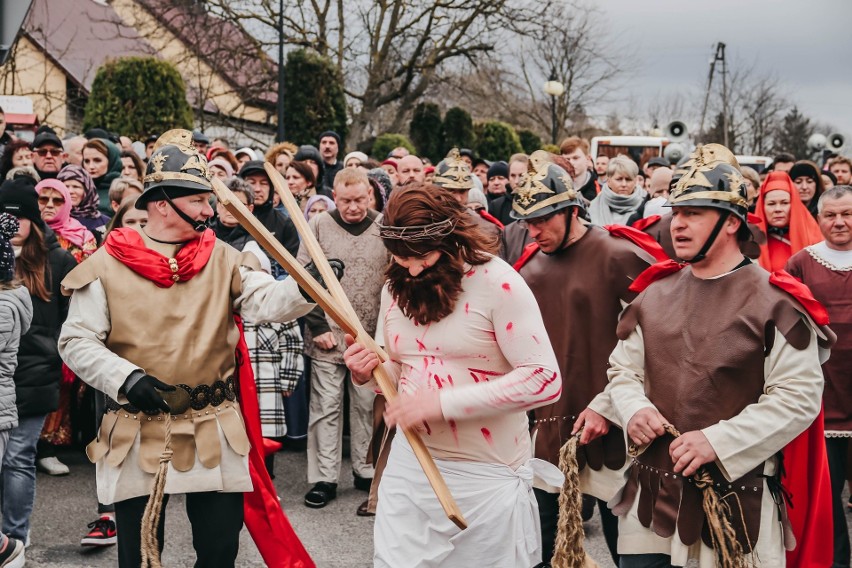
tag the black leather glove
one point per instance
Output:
(337, 267)
(145, 397)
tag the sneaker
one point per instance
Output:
(52, 466)
(13, 555)
(321, 495)
(102, 533)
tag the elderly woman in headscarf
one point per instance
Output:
(786, 221)
(102, 159)
(54, 203)
(84, 199)
(620, 196)
(318, 204)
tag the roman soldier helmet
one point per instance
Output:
(543, 189)
(175, 169)
(710, 178)
(453, 173)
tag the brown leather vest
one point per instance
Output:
(705, 343)
(580, 291)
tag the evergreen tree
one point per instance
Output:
(314, 100)
(425, 130)
(136, 97)
(530, 141)
(387, 142)
(496, 140)
(793, 133)
(458, 130)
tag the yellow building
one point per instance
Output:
(230, 81)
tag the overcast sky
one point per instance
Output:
(806, 44)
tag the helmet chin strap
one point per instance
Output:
(197, 226)
(702, 254)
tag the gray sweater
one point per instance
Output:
(16, 314)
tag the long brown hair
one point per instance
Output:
(431, 295)
(32, 267)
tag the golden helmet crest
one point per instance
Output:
(543, 189)
(453, 173)
(711, 177)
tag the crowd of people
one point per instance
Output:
(646, 308)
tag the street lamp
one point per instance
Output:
(555, 89)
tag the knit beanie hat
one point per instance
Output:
(332, 134)
(804, 169)
(18, 197)
(8, 227)
(498, 169)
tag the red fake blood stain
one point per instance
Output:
(506, 287)
(485, 374)
(467, 308)
(420, 346)
(450, 379)
(438, 382)
(486, 433)
(509, 328)
(471, 273)
(396, 342)
(428, 430)
(537, 342)
(454, 430)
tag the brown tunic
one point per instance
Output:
(705, 343)
(833, 287)
(580, 292)
(515, 237)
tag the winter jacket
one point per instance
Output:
(237, 236)
(16, 314)
(39, 366)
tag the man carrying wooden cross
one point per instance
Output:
(151, 317)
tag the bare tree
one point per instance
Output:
(571, 45)
(388, 51)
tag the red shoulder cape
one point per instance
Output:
(643, 224)
(271, 531)
(787, 282)
(640, 239)
(490, 218)
(528, 253)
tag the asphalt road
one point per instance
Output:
(334, 536)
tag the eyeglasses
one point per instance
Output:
(44, 200)
(45, 151)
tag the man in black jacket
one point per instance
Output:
(274, 221)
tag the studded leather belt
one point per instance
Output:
(185, 397)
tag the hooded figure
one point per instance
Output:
(799, 231)
(275, 221)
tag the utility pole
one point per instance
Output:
(279, 137)
(719, 55)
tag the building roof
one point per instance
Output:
(80, 35)
(226, 47)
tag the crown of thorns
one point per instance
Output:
(416, 233)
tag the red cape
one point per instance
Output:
(271, 531)
(809, 485)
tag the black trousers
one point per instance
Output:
(548, 512)
(836, 449)
(216, 520)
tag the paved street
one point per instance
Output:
(335, 536)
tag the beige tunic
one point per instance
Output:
(181, 349)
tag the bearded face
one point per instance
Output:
(432, 294)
